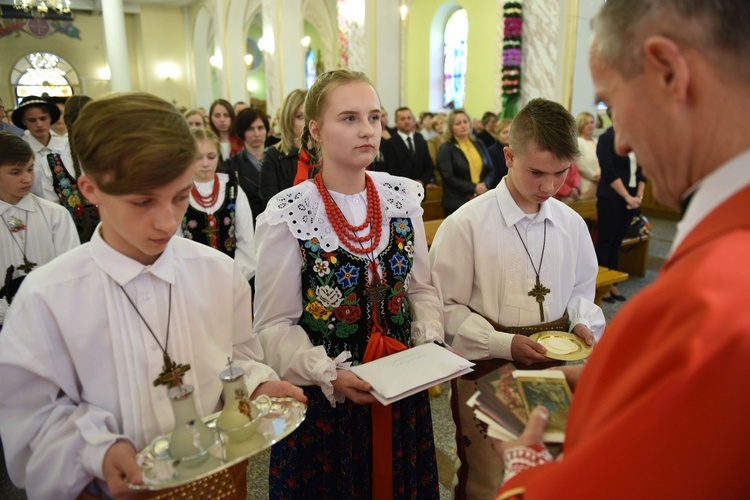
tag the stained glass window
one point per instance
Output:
(311, 72)
(42, 72)
(455, 36)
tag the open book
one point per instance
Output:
(505, 398)
(407, 372)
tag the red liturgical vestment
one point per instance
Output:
(662, 407)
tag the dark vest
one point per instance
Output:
(336, 312)
(85, 214)
(195, 224)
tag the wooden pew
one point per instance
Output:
(585, 208)
(634, 255)
(605, 278)
(433, 204)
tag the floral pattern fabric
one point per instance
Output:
(85, 214)
(330, 456)
(197, 226)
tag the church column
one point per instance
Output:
(220, 44)
(113, 16)
(292, 54)
(271, 59)
(387, 73)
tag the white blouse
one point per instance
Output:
(77, 363)
(244, 254)
(299, 213)
(479, 264)
(42, 173)
(588, 164)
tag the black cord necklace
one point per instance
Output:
(539, 290)
(172, 373)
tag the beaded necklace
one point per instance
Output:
(346, 232)
(211, 230)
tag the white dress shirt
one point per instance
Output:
(77, 363)
(278, 305)
(479, 263)
(244, 254)
(42, 173)
(711, 192)
(49, 232)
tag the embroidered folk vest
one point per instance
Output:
(336, 312)
(195, 224)
(85, 214)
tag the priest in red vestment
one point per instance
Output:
(661, 408)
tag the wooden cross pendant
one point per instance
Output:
(375, 292)
(27, 265)
(171, 373)
(538, 292)
(210, 231)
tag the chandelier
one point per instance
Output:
(41, 7)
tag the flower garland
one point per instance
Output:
(513, 14)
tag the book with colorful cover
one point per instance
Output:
(505, 398)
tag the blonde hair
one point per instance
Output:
(448, 126)
(501, 124)
(204, 134)
(581, 120)
(315, 102)
(286, 120)
(191, 112)
(132, 159)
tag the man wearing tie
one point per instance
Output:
(406, 154)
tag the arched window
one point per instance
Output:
(311, 64)
(455, 36)
(42, 72)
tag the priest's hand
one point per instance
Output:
(583, 331)
(527, 351)
(119, 464)
(279, 389)
(531, 436)
(353, 387)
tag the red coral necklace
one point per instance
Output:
(210, 200)
(346, 232)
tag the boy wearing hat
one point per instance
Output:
(36, 116)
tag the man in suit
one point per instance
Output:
(406, 153)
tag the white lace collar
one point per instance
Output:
(303, 211)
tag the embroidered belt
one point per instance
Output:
(484, 367)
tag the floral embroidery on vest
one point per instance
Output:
(336, 312)
(195, 224)
(85, 214)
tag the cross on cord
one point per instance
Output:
(171, 373)
(375, 293)
(538, 292)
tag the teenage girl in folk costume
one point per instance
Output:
(343, 273)
(219, 213)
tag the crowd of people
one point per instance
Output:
(295, 246)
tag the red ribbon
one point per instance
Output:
(303, 167)
(378, 346)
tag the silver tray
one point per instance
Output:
(161, 471)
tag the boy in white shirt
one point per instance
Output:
(512, 264)
(88, 334)
(34, 231)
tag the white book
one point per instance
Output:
(400, 375)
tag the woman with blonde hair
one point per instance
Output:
(195, 118)
(278, 168)
(344, 274)
(463, 162)
(588, 163)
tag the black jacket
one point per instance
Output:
(614, 167)
(398, 160)
(240, 167)
(277, 171)
(454, 168)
